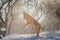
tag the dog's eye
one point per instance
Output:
(58, 14)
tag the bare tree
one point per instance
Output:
(52, 7)
(8, 14)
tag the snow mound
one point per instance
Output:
(43, 36)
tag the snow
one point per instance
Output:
(43, 36)
(3, 29)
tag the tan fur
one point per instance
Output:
(32, 21)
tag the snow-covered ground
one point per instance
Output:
(43, 36)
